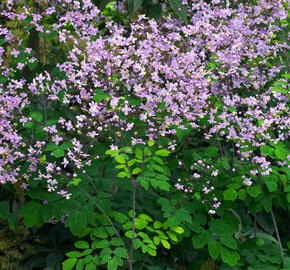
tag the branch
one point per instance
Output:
(103, 212)
(131, 253)
(277, 234)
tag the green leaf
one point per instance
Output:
(120, 159)
(231, 257)
(121, 252)
(32, 65)
(66, 145)
(230, 195)
(100, 244)
(157, 168)
(211, 151)
(91, 266)
(36, 116)
(162, 153)
(200, 240)
(13, 222)
(122, 174)
(100, 233)
(58, 152)
(220, 227)
(99, 96)
(133, 6)
(254, 191)
(156, 240)
(165, 244)
(4, 209)
(151, 251)
(51, 146)
(179, 230)
(228, 241)
(136, 171)
(139, 153)
(213, 248)
(242, 194)
(267, 236)
(151, 143)
(69, 263)
(179, 9)
(81, 244)
(120, 217)
(172, 236)
(129, 234)
(113, 264)
(271, 185)
(76, 221)
(144, 182)
(116, 242)
(131, 162)
(157, 225)
(281, 153)
(74, 182)
(287, 76)
(32, 214)
(267, 150)
(74, 254)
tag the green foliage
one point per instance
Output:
(172, 228)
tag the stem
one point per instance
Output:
(255, 227)
(220, 147)
(103, 212)
(182, 255)
(277, 234)
(260, 176)
(233, 156)
(92, 183)
(274, 222)
(131, 252)
(113, 182)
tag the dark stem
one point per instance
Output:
(255, 227)
(131, 253)
(260, 176)
(277, 234)
(233, 156)
(182, 255)
(220, 147)
(274, 222)
(113, 182)
(103, 212)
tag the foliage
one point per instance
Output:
(128, 142)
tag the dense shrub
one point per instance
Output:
(154, 144)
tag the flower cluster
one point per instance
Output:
(134, 82)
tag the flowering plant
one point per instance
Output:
(145, 136)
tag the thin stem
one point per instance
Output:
(255, 227)
(92, 183)
(103, 212)
(220, 147)
(274, 222)
(131, 253)
(260, 176)
(182, 255)
(113, 182)
(233, 156)
(277, 234)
